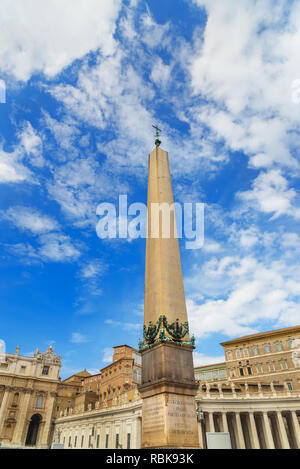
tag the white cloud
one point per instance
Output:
(201, 359)
(30, 219)
(78, 338)
(92, 269)
(240, 293)
(57, 247)
(160, 73)
(271, 194)
(46, 37)
(12, 170)
(107, 355)
(127, 326)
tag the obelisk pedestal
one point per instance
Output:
(168, 386)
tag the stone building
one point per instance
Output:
(257, 417)
(260, 413)
(28, 391)
(123, 374)
(271, 357)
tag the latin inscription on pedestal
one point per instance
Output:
(169, 420)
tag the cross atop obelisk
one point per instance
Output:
(168, 386)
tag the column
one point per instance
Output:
(18, 438)
(253, 432)
(44, 440)
(240, 435)
(211, 422)
(224, 422)
(267, 431)
(282, 431)
(3, 407)
(296, 427)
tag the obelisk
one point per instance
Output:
(168, 386)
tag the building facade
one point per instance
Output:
(269, 357)
(28, 392)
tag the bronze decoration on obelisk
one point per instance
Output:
(168, 386)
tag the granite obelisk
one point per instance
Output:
(168, 386)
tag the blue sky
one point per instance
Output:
(85, 80)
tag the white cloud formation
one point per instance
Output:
(57, 247)
(246, 69)
(107, 355)
(200, 359)
(78, 338)
(240, 293)
(46, 37)
(271, 194)
(30, 219)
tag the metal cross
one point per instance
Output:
(157, 135)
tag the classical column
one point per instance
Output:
(224, 422)
(211, 422)
(267, 431)
(296, 427)
(44, 441)
(253, 432)
(282, 431)
(19, 437)
(3, 408)
(239, 435)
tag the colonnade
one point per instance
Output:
(276, 429)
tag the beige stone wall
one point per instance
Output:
(26, 391)
(277, 366)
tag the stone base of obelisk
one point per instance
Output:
(168, 390)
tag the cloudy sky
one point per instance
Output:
(85, 80)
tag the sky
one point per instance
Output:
(82, 83)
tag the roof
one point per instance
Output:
(261, 335)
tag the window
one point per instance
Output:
(39, 402)
(289, 386)
(255, 350)
(238, 354)
(75, 442)
(23, 369)
(106, 440)
(117, 440)
(259, 368)
(82, 441)
(229, 355)
(241, 372)
(45, 370)
(283, 364)
(267, 348)
(69, 442)
(98, 440)
(128, 440)
(249, 370)
(278, 347)
(291, 344)
(90, 441)
(246, 353)
(271, 367)
(232, 373)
